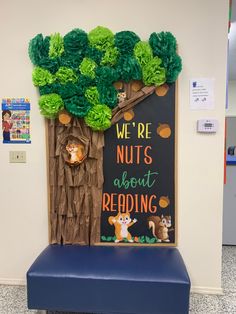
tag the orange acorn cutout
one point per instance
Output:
(162, 90)
(164, 130)
(136, 85)
(164, 201)
(64, 117)
(129, 115)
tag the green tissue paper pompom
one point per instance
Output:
(56, 47)
(94, 54)
(173, 65)
(64, 90)
(51, 65)
(65, 75)
(143, 52)
(48, 89)
(67, 90)
(84, 82)
(38, 48)
(108, 95)
(42, 77)
(77, 106)
(75, 41)
(106, 75)
(101, 38)
(154, 73)
(50, 105)
(92, 95)
(87, 67)
(71, 61)
(99, 118)
(125, 41)
(129, 69)
(110, 57)
(163, 44)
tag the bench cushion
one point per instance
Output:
(109, 279)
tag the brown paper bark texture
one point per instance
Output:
(75, 191)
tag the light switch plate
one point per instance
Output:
(17, 156)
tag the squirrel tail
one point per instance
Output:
(151, 225)
(110, 220)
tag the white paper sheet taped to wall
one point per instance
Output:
(202, 94)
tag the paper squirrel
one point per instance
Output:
(159, 226)
(76, 153)
(121, 96)
(121, 223)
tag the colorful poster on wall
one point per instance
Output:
(138, 205)
(16, 120)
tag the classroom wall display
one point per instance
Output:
(110, 104)
(16, 120)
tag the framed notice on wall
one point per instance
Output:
(138, 202)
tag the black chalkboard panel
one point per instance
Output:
(139, 170)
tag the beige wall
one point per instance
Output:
(201, 30)
(231, 111)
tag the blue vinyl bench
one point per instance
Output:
(99, 279)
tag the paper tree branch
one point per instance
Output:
(117, 112)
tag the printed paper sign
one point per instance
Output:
(202, 94)
(16, 120)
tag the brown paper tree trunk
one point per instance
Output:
(75, 191)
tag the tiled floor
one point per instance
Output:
(13, 298)
(223, 304)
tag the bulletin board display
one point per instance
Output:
(138, 202)
(110, 102)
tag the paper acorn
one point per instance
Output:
(81, 72)
(164, 201)
(162, 90)
(64, 117)
(129, 115)
(164, 130)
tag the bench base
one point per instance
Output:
(109, 280)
